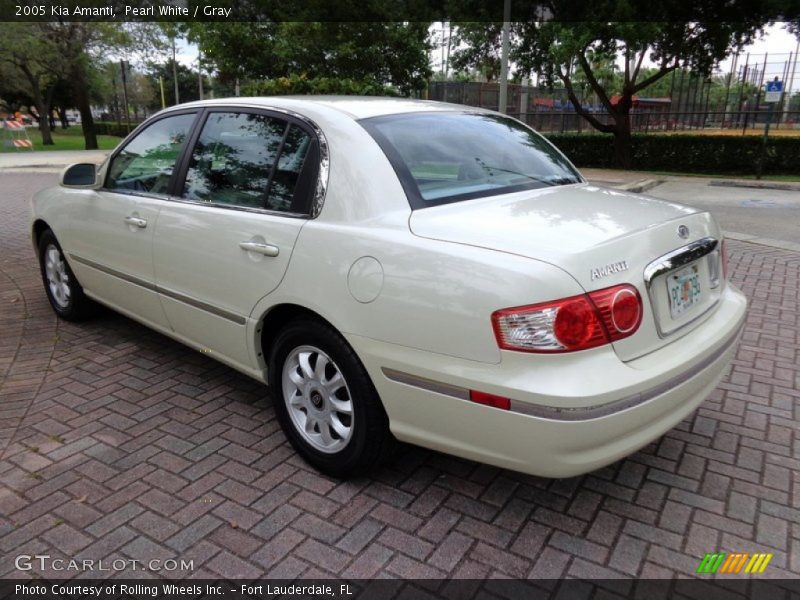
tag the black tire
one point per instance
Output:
(73, 305)
(370, 442)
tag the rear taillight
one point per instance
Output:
(570, 324)
(620, 308)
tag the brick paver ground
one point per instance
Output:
(118, 443)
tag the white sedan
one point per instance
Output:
(399, 269)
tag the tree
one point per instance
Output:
(36, 64)
(478, 47)
(13, 89)
(187, 83)
(575, 47)
(238, 50)
(80, 45)
(393, 53)
(560, 51)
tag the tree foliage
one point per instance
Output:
(34, 64)
(478, 48)
(59, 64)
(559, 51)
(300, 84)
(188, 88)
(579, 47)
(392, 53)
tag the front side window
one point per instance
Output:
(247, 160)
(448, 157)
(146, 163)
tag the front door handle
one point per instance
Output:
(136, 221)
(265, 249)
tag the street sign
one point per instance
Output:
(774, 91)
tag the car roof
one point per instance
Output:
(356, 107)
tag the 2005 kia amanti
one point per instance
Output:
(397, 269)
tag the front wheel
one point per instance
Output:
(326, 402)
(62, 288)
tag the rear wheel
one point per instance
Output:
(325, 401)
(62, 288)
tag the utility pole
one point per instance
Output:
(125, 95)
(503, 101)
(441, 64)
(447, 58)
(758, 94)
(200, 73)
(742, 82)
(175, 73)
(163, 99)
(728, 89)
(784, 78)
(116, 99)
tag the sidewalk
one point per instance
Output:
(49, 161)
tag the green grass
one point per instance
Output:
(69, 139)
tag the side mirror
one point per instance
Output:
(82, 175)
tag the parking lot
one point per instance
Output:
(119, 443)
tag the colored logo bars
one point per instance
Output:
(736, 562)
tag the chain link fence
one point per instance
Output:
(552, 112)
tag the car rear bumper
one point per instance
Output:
(570, 413)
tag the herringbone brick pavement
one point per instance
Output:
(118, 443)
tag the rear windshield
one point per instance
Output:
(448, 157)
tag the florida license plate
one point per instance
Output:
(683, 287)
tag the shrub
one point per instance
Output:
(687, 153)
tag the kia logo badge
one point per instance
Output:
(683, 231)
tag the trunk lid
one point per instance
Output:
(600, 237)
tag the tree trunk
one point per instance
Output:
(42, 102)
(623, 140)
(43, 107)
(44, 121)
(84, 106)
(62, 116)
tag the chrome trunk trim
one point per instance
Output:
(671, 261)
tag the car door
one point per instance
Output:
(225, 240)
(111, 229)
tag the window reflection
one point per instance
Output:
(234, 161)
(459, 156)
(146, 163)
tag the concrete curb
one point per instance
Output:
(761, 185)
(762, 241)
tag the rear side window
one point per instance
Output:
(248, 160)
(449, 157)
(146, 163)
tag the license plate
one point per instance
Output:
(683, 288)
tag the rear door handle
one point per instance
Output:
(265, 249)
(136, 221)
